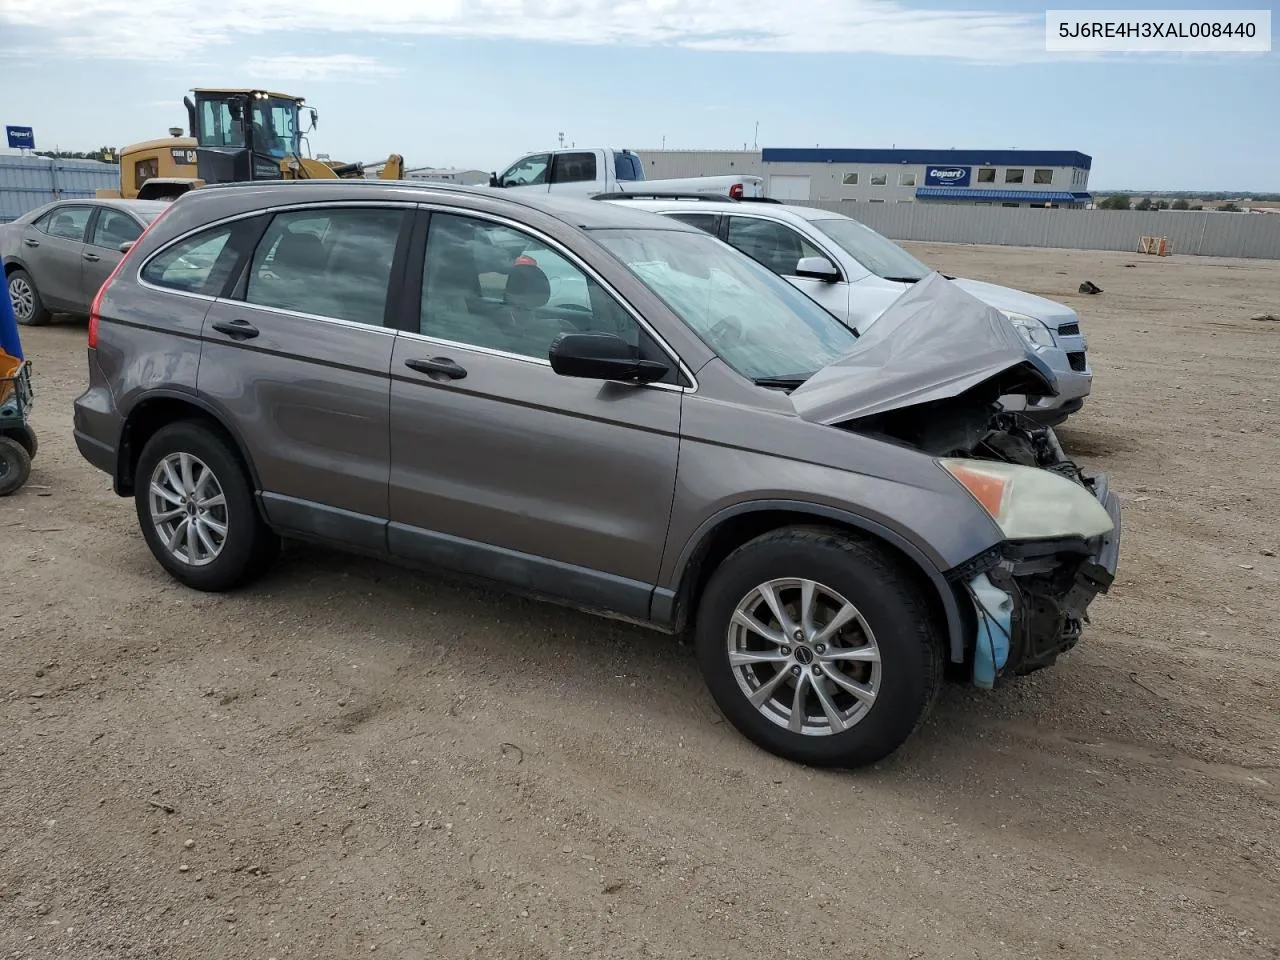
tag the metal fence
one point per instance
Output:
(1203, 233)
(27, 182)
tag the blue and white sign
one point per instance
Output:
(940, 176)
(20, 138)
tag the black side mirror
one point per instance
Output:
(817, 268)
(493, 180)
(601, 356)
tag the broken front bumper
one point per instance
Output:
(1031, 599)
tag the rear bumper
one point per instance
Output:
(96, 421)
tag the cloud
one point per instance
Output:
(337, 66)
(128, 29)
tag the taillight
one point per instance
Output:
(735, 192)
(96, 306)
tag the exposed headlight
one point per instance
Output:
(1028, 503)
(1032, 330)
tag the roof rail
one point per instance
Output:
(664, 195)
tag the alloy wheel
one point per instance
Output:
(804, 656)
(188, 509)
(23, 298)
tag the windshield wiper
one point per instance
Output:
(789, 381)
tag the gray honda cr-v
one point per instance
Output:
(608, 409)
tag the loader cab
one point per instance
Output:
(244, 134)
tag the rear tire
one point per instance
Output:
(196, 509)
(15, 465)
(28, 309)
(864, 687)
(26, 436)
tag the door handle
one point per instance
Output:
(92, 257)
(440, 365)
(236, 329)
(30, 243)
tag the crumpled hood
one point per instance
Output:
(934, 342)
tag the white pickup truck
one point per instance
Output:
(603, 170)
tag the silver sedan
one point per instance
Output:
(57, 256)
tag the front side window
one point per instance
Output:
(574, 168)
(68, 223)
(526, 172)
(877, 253)
(114, 228)
(488, 285)
(758, 323)
(776, 246)
(327, 263)
(199, 264)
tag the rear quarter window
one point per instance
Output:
(201, 263)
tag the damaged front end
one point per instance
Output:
(929, 375)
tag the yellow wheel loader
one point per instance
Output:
(237, 135)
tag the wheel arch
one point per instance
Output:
(717, 536)
(158, 409)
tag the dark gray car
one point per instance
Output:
(608, 409)
(57, 256)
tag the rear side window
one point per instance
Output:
(709, 222)
(201, 263)
(67, 222)
(573, 168)
(327, 263)
(626, 166)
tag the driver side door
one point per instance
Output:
(499, 466)
(528, 174)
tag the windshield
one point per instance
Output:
(878, 254)
(755, 321)
(273, 122)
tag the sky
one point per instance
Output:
(476, 83)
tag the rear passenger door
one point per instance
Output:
(53, 250)
(298, 356)
(575, 173)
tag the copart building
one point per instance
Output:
(1007, 178)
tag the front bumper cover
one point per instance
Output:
(1031, 599)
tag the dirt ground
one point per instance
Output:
(350, 758)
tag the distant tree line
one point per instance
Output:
(1122, 201)
(103, 154)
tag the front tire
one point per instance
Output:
(195, 507)
(819, 647)
(28, 309)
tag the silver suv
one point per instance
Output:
(668, 433)
(856, 274)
